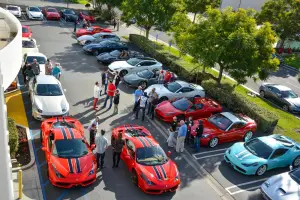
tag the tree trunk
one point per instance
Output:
(147, 32)
(282, 43)
(220, 74)
(195, 14)
(203, 69)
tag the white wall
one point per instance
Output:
(235, 4)
(11, 54)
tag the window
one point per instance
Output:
(288, 94)
(145, 74)
(220, 121)
(72, 148)
(51, 10)
(151, 63)
(69, 12)
(34, 9)
(12, 8)
(50, 142)
(199, 106)
(279, 152)
(173, 86)
(40, 60)
(258, 148)
(182, 104)
(145, 63)
(154, 155)
(130, 148)
(185, 89)
(25, 30)
(133, 61)
(274, 90)
(48, 90)
(28, 44)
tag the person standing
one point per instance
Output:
(56, 71)
(104, 79)
(181, 137)
(24, 68)
(117, 79)
(114, 23)
(161, 77)
(167, 77)
(199, 133)
(95, 122)
(116, 101)
(189, 124)
(29, 73)
(151, 95)
(174, 123)
(101, 146)
(171, 136)
(117, 146)
(84, 23)
(137, 94)
(88, 24)
(142, 106)
(35, 66)
(154, 103)
(93, 131)
(75, 24)
(48, 67)
(96, 95)
(110, 94)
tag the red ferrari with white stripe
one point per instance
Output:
(151, 169)
(70, 159)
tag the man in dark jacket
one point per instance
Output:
(35, 66)
(199, 133)
(104, 79)
(117, 79)
(117, 146)
(116, 101)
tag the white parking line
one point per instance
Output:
(242, 184)
(195, 154)
(219, 154)
(240, 191)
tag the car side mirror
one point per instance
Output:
(44, 149)
(93, 146)
(169, 153)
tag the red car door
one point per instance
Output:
(235, 133)
(128, 154)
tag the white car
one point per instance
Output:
(41, 59)
(47, 97)
(134, 65)
(176, 89)
(29, 45)
(15, 10)
(285, 186)
(97, 37)
(34, 12)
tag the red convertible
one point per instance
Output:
(225, 127)
(91, 31)
(183, 108)
(70, 160)
(85, 15)
(26, 32)
(151, 169)
(51, 13)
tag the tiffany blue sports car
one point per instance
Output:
(258, 155)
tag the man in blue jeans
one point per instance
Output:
(199, 132)
(101, 146)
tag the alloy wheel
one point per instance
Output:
(213, 142)
(248, 136)
(143, 84)
(262, 93)
(261, 170)
(296, 162)
(285, 108)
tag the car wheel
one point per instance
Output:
(248, 136)
(95, 52)
(123, 73)
(163, 99)
(285, 108)
(262, 93)
(134, 178)
(296, 162)
(180, 117)
(261, 170)
(213, 142)
(143, 84)
(87, 42)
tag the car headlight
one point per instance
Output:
(143, 176)
(267, 184)
(250, 164)
(92, 170)
(229, 150)
(56, 172)
(38, 109)
(205, 135)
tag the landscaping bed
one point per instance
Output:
(292, 60)
(234, 97)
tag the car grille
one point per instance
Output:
(234, 166)
(50, 116)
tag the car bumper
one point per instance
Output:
(163, 117)
(239, 167)
(53, 18)
(36, 18)
(263, 192)
(39, 116)
(158, 189)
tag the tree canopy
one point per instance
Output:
(232, 41)
(285, 17)
(199, 6)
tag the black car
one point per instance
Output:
(68, 15)
(105, 46)
(107, 58)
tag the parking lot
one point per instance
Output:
(80, 72)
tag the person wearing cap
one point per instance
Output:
(142, 106)
(111, 89)
(199, 133)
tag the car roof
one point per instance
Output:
(278, 141)
(146, 58)
(46, 79)
(231, 117)
(35, 54)
(279, 87)
(66, 133)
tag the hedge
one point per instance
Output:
(13, 138)
(226, 95)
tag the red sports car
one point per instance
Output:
(85, 15)
(152, 170)
(51, 13)
(26, 32)
(92, 30)
(183, 108)
(225, 127)
(70, 159)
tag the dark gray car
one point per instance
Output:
(281, 95)
(107, 58)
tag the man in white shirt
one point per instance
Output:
(101, 146)
(96, 95)
(95, 121)
(142, 106)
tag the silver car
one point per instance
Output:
(285, 186)
(282, 95)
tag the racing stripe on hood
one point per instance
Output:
(149, 141)
(143, 142)
(157, 173)
(64, 133)
(78, 165)
(71, 132)
(164, 172)
(146, 141)
(70, 166)
(73, 161)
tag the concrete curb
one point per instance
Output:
(32, 158)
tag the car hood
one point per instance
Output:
(105, 56)
(27, 50)
(35, 14)
(119, 64)
(88, 17)
(167, 107)
(132, 77)
(282, 185)
(81, 30)
(62, 165)
(239, 151)
(159, 88)
(85, 37)
(294, 101)
(51, 104)
(53, 13)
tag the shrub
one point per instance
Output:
(13, 139)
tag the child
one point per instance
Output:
(170, 138)
(116, 101)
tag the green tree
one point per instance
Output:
(285, 16)
(151, 12)
(231, 41)
(199, 6)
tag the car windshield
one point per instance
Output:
(69, 12)
(62, 124)
(115, 53)
(258, 148)
(12, 8)
(25, 30)
(220, 121)
(34, 9)
(51, 10)
(182, 104)
(40, 60)
(145, 74)
(48, 90)
(288, 94)
(173, 87)
(74, 148)
(28, 44)
(295, 175)
(154, 155)
(133, 61)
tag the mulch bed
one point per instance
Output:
(23, 153)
